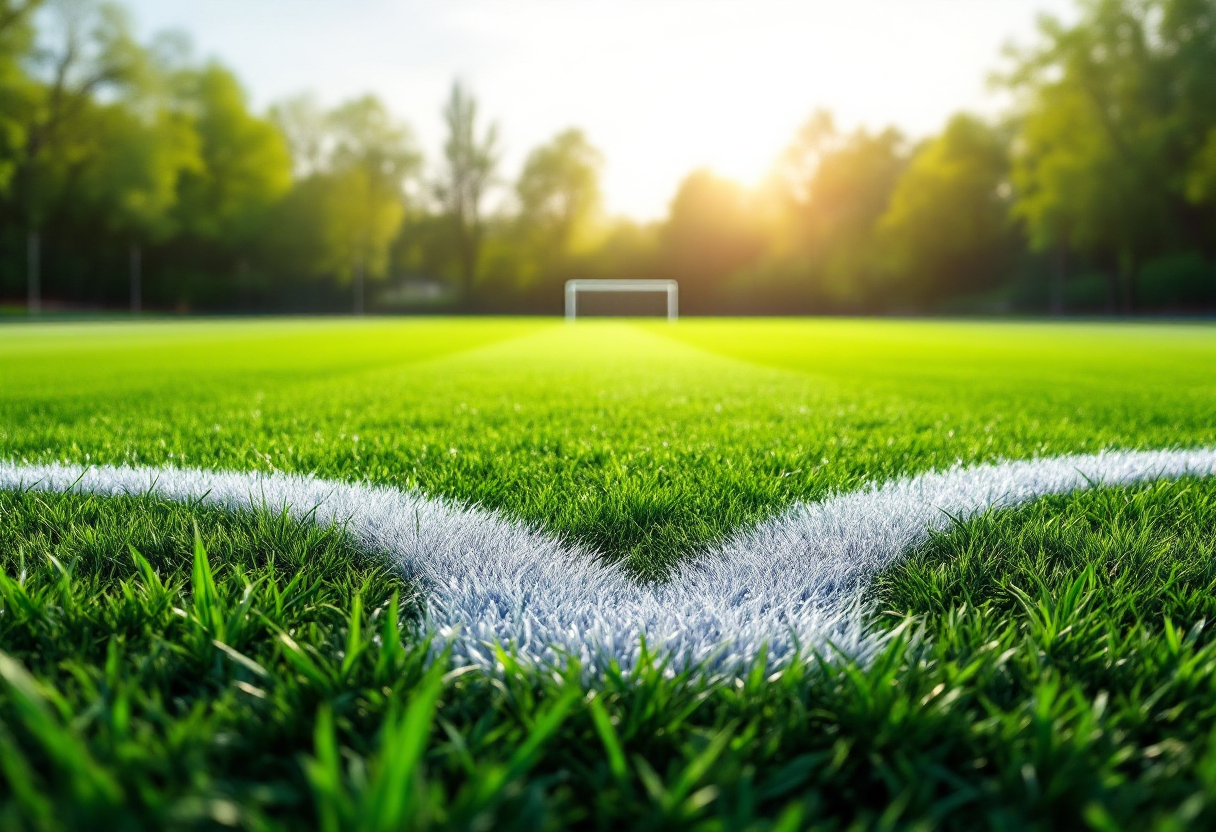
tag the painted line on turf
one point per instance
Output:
(793, 581)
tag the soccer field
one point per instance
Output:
(1040, 664)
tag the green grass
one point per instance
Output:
(1055, 673)
(640, 444)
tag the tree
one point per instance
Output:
(1201, 179)
(710, 233)
(1115, 112)
(16, 88)
(145, 143)
(470, 160)
(246, 166)
(350, 201)
(1186, 37)
(559, 190)
(946, 229)
(15, 14)
(798, 163)
(836, 189)
(89, 51)
(133, 179)
(372, 157)
(304, 125)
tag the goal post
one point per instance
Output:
(668, 287)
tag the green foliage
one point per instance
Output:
(117, 143)
(470, 159)
(371, 158)
(558, 227)
(246, 166)
(134, 180)
(90, 52)
(1115, 115)
(947, 219)
(1104, 164)
(838, 188)
(1201, 182)
(710, 233)
(16, 33)
(1176, 280)
(337, 223)
(559, 190)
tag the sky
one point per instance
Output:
(660, 86)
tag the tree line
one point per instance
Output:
(132, 174)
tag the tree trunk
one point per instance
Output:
(34, 273)
(467, 242)
(136, 277)
(244, 288)
(358, 286)
(1127, 281)
(1060, 276)
(470, 272)
(465, 230)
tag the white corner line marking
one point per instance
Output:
(791, 582)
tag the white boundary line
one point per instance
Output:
(793, 581)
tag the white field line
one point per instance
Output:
(793, 581)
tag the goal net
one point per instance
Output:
(578, 288)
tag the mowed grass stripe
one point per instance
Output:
(917, 351)
(63, 360)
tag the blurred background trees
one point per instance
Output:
(470, 162)
(349, 201)
(132, 174)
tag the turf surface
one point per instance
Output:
(644, 445)
(1056, 673)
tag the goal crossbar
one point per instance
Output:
(670, 287)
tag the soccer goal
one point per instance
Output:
(669, 287)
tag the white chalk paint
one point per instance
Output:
(793, 581)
